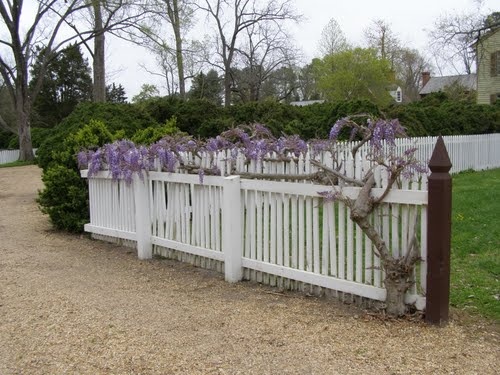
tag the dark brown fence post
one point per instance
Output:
(438, 236)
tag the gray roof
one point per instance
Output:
(306, 102)
(437, 84)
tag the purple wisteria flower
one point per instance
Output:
(337, 127)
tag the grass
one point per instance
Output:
(475, 253)
(16, 164)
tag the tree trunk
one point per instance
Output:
(176, 24)
(24, 131)
(227, 87)
(395, 301)
(99, 87)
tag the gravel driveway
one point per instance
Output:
(69, 304)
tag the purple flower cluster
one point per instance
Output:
(337, 127)
(384, 130)
(123, 158)
(255, 142)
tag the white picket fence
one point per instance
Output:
(273, 232)
(467, 152)
(10, 156)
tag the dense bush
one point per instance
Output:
(65, 194)
(121, 120)
(92, 125)
(5, 139)
(152, 133)
(437, 114)
(64, 198)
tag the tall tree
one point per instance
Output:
(42, 27)
(66, 82)
(147, 92)
(115, 94)
(99, 63)
(282, 85)
(164, 34)
(234, 17)
(380, 37)
(207, 86)
(409, 67)
(264, 50)
(7, 110)
(353, 74)
(307, 85)
(104, 17)
(332, 39)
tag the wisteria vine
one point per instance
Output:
(254, 142)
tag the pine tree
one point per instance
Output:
(67, 82)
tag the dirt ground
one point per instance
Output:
(69, 304)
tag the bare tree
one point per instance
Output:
(105, 16)
(451, 40)
(17, 52)
(232, 18)
(381, 37)
(168, 44)
(332, 39)
(99, 64)
(453, 36)
(409, 67)
(265, 50)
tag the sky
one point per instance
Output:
(410, 20)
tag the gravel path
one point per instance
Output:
(69, 304)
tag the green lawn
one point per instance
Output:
(475, 253)
(16, 164)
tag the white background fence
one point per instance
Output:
(475, 152)
(9, 156)
(275, 232)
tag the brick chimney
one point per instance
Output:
(426, 76)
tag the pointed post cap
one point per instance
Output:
(440, 160)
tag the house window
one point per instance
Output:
(494, 98)
(495, 64)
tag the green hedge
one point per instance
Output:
(65, 196)
(122, 120)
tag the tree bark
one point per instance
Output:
(395, 300)
(99, 68)
(23, 122)
(227, 88)
(173, 13)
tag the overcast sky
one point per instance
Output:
(410, 20)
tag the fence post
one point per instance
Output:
(231, 229)
(439, 236)
(142, 218)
